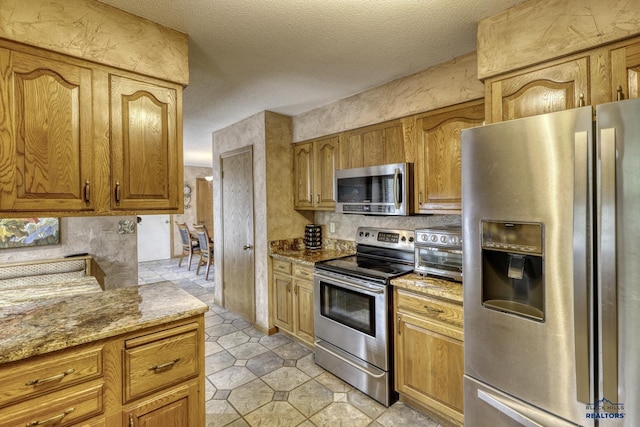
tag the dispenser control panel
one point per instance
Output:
(518, 237)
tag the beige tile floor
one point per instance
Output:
(258, 380)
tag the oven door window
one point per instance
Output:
(348, 307)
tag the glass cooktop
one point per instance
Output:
(366, 267)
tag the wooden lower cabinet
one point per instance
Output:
(173, 408)
(150, 377)
(429, 355)
(293, 299)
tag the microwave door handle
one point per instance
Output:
(396, 182)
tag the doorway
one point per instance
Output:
(238, 284)
(204, 204)
(153, 233)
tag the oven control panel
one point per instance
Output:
(393, 239)
(446, 236)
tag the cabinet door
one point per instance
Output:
(46, 160)
(374, 145)
(625, 73)
(303, 175)
(178, 407)
(325, 164)
(283, 302)
(429, 365)
(553, 88)
(146, 145)
(439, 162)
(303, 310)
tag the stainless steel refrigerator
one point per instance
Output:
(551, 222)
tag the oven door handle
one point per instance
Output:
(318, 343)
(348, 285)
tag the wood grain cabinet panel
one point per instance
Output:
(156, 361)
(429, 354)
(174, 408)
(61, 408)
(32, 378)
(438, 164)
(549, 88)
(145, 162)
(625, 71)
(46, 161)
(314, 165)
(293, 305)
(378, 144)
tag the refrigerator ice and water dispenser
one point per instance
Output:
(512, 268)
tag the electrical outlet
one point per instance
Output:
(332, 227)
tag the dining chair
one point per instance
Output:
(206, 249)
(190, 246)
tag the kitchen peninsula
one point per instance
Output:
(112, 358)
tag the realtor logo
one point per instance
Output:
(605, 409)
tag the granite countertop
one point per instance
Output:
(430, 286)
(43, 326)
(303, 256)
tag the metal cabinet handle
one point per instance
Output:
(581, 100)
(53, 420)
(310, 198)
(118, 192)
(247, 247)
(87, 192)
(420, 198)
(164, 366)
(50, 379)
(619, 94)
(131, 423)
(295, 290)
(317, 198)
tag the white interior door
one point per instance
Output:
(154, 241)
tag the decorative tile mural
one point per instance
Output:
(22, 232)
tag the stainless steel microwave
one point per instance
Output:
(375, 190)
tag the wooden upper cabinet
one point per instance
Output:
(438, 163)
(303, 175)
(145, 161)
(46, 160)
(314, 165)
(625, 71)
(326, 157)
(373, 145)
(555, 87)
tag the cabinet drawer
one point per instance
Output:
(30, 378)
(429, 307)
(61, 408)
(158, 360)
(282, 266)
(303, 271)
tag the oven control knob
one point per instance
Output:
(454, 240)
(424, 237)
(443, 239)
(434, 238)
(410, 239)
(366, 234)
(403, 238)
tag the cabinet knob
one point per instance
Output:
(619, 94)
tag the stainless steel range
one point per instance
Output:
(353, 308)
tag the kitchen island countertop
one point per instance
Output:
(430, 286)
(48, 325)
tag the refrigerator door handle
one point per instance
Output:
(581, 266)
(607, 280)
(495, 402)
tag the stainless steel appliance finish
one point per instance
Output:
(438, 252)
(375, 190)
(352, 310)
(552, 273)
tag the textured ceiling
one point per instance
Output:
(290, 56)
